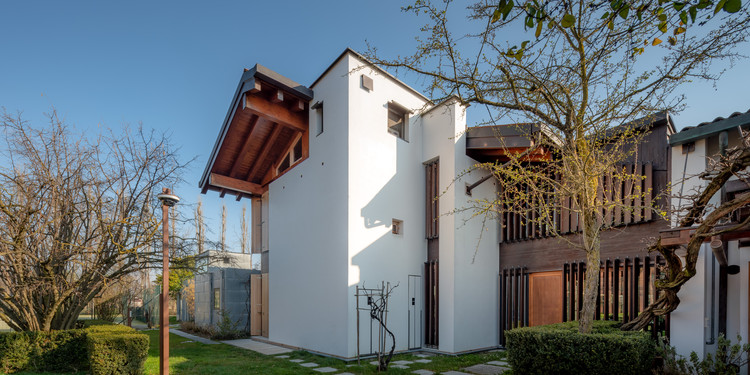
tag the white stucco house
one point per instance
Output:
(715, 300)
(342, 177)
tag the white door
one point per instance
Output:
(415, 311)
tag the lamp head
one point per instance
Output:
(167, 198)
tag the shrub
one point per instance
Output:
(197, 329)
(85, 323)
(226, 328)
(727, 360)
(60, 351)
(114, 328)
(117, 352)
(560, 349)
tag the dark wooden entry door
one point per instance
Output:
(545, 299)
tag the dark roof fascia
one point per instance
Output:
(707, 130)
(370, 63)
(246, 82)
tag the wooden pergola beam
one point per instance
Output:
(237, 185)
(275, 112)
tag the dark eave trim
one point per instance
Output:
(707, 130)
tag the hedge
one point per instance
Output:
(58, 351)
(104, 349)
(560, 349)
(117, 353)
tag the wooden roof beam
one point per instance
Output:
(274, 112)
(245, 147)
(264, 152)
(278, 96)
(230, 183)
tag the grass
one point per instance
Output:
(196, 358)
(187, 357)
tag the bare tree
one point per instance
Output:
(200, 230)
(243, 225)
(582, 75)
(223, 227)
(76, 215)
(707, 221)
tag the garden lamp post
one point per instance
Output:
(167, 200)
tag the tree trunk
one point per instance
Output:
(591, 237)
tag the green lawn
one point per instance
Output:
(188, 357)
(196, 358)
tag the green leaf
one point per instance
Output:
(605, 15)
(719, 6)
(678, 6)
(496, 15)
(703, 4)
(611, 25)
(615, 4)
(732, 6)
(624, 11)
(683, 17)
(663, 27)
(506, 10)
(538, 29)
(523, 45)
(568, 20)
(529, 22)
(693, 13)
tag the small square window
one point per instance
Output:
(398, 120)
(397, 227)
(217, 299)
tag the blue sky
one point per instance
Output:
(175, 65)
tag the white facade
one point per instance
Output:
(329, 222)
(695, 322)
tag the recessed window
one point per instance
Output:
(217, 299)
(398, 118)
(291, 157)
(366, 82)
(397, 227)
(318, 107)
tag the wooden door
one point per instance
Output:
(545, 299)
(256, 304)
(264, 303)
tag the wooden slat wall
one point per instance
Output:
(630, 196)
(432, 313)
(626, 286)
(432, 172)
(514, 300)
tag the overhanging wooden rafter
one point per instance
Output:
(501, 142)
(268, 114)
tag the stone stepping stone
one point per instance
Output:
(402, 362)
(309, 364)
(324, 369)
(422, 372)
(423, 355)
(399, 366)
(282, 356)
(498, 363)
(374, 363)
(296, 360)
(422, 360)
(486, 369)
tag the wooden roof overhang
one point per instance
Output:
(267, 116)
(498, 143)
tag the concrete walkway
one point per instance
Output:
(257, 346)
(192, 337)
